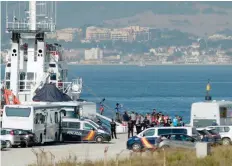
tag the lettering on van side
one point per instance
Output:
(74, 132)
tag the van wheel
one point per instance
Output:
(136, 147)
(99, 139)
(165, 147)
(226, 141)
(8, 144)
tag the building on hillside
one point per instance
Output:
(94, 54)
(121, 35)
(95, 33)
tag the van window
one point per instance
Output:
(227, 129)
(203, 122)
(173, 130)
(222, 129)
(17, 112)
(87, 126)
(75, 125)
(164, 131)
(150, 132)
(179, 131)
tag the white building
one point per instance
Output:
(93, 54)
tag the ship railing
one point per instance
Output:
(66, 86)
(23, 26)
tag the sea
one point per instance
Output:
(168, 89)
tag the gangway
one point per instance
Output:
(120, 128)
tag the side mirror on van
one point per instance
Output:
(93, 129)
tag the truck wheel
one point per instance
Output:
(226, 141)
(99, 139)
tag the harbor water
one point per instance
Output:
(169, 89)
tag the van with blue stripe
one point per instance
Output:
(147, 138)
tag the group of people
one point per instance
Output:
(141, 122)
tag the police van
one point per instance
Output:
(76, 130)
(147, 138)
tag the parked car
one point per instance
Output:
(11, 137)
(225, 133)
(3, 144)
(145, 139)
(206, 136)
(215, 135)
(148, 137)
(27, 138)
(176, 141)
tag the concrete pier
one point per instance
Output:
(84, 151)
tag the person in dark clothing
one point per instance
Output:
(145, 123)
(113, 129)
(126, 117)
(99, 122)
(138, 127)
(168, 123)
(130, 128)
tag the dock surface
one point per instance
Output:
(83, 151)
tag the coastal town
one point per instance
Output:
(136, 45)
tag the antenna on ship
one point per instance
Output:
(208, 89)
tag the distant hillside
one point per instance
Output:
(193, 17)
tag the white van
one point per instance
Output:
(191, 131)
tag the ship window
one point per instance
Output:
(53, 77)
(7, 84)
(14, 50)
(8, 64)
(22, 76)
(29, 85)
(21, 85)
(30, 76)
(52, 65)
(7, 75)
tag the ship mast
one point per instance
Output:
(32, 14)
(28, 23)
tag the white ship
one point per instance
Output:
(31, 61)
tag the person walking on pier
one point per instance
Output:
(130, 128)
(138, 127)
(113, 129)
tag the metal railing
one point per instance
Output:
(23, 26)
